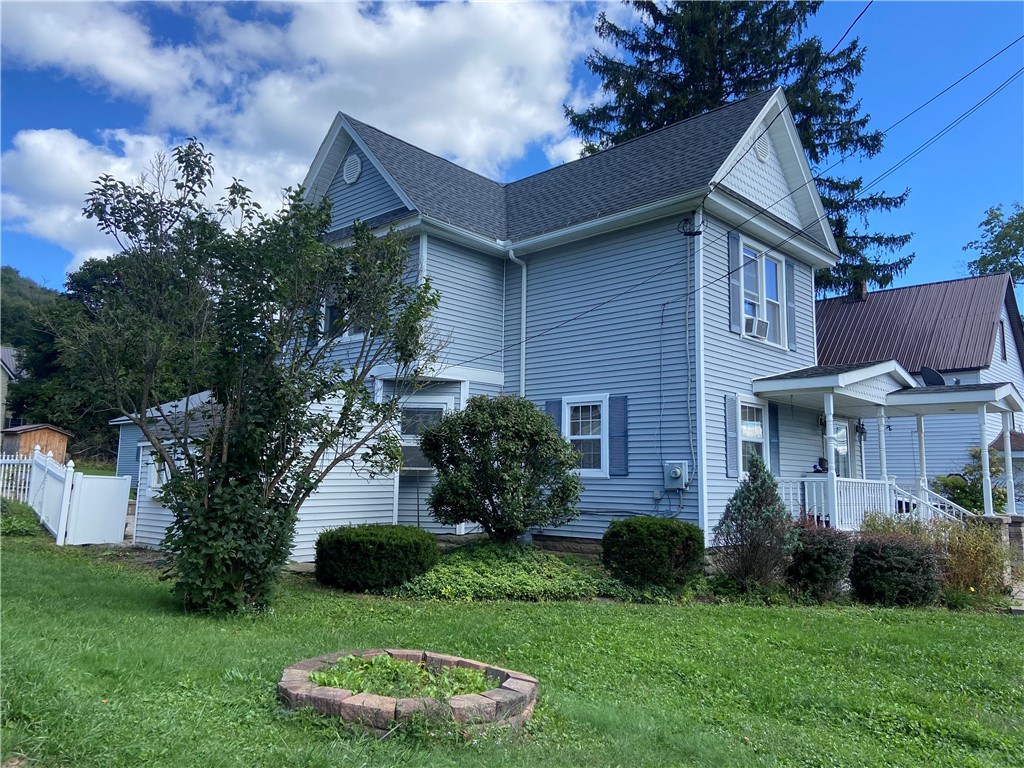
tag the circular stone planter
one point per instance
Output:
(510, 702)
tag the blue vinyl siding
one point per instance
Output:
(640, 345)
(370, 196)
(469, 318)
(731, 361)
(128, 452)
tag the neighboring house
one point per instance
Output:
(9, 371)
(648, 297)
(968, 330)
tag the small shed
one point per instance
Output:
(48, 437)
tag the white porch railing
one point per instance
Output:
(809, 498)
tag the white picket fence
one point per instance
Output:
(74, 508)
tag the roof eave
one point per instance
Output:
(619, 220)
(774, 234)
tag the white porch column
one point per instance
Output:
(986, 474)
(921, 454)
(880, 418)
(1011, 492)
(830, 457)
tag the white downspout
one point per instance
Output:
(522, 321)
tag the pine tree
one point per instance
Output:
(756, 531)
(685, 58)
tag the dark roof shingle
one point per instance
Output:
(674, 160)
(948, 326)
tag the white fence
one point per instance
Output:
(74, 508)
(14, 474)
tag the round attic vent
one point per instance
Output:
(352, 168)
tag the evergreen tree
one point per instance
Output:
(685, 58)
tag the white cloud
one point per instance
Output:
(475, 82)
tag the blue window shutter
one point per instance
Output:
(773, 438)
(791, 305)
(732, 438)
(735, 291)
(618, 437)
(553, 408)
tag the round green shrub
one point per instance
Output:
(373, 557)
(820, 561)
(659, 551)
(894, 570)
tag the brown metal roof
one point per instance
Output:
(948, 326)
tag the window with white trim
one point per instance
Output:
(333, 315)
(585, 426)
(764, 293)
(420, 411)
(753, 433)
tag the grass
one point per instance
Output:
(90, 467)
(100, 668)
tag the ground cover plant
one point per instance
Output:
(18, 519)
(399, 679)
(101, 668)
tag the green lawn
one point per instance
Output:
(101, 669)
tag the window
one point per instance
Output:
(420, 411)
(333, 314)
(763, 293)
(752, 434)
(416, 417)
(842, 458)
(585, 425)
(1002, 339)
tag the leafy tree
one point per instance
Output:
(1001, 245)
(226, 298)
(756, 532)
(22, 296)
(968, 488)
(503, 464)
(685, 58)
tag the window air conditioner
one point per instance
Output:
(755, 326)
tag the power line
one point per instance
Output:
(764, 210)
(849, 28)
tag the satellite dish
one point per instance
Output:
(931, 377)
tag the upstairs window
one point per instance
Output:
(763, 292)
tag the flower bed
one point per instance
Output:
(510, 702)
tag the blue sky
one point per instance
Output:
(94, 88)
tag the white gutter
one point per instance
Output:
(522, 321)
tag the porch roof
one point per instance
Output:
(859, 389)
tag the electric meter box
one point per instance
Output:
(677, 475)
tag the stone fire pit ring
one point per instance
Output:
(510, 702)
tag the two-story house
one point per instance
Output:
(648, 297)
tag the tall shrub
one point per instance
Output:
(756, 533)
(503, 464)
(820, 561)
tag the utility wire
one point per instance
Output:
(761, 211)
(850, 28)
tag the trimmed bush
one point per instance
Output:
(755, 534)
(821, 561)
(659, 551)
(501, 463)
(364, 558)
(894, 570)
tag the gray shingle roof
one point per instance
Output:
(671, 161)
(9, 360)
(948, 326)
(439, 188)
(815, 371)
(658, 165)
